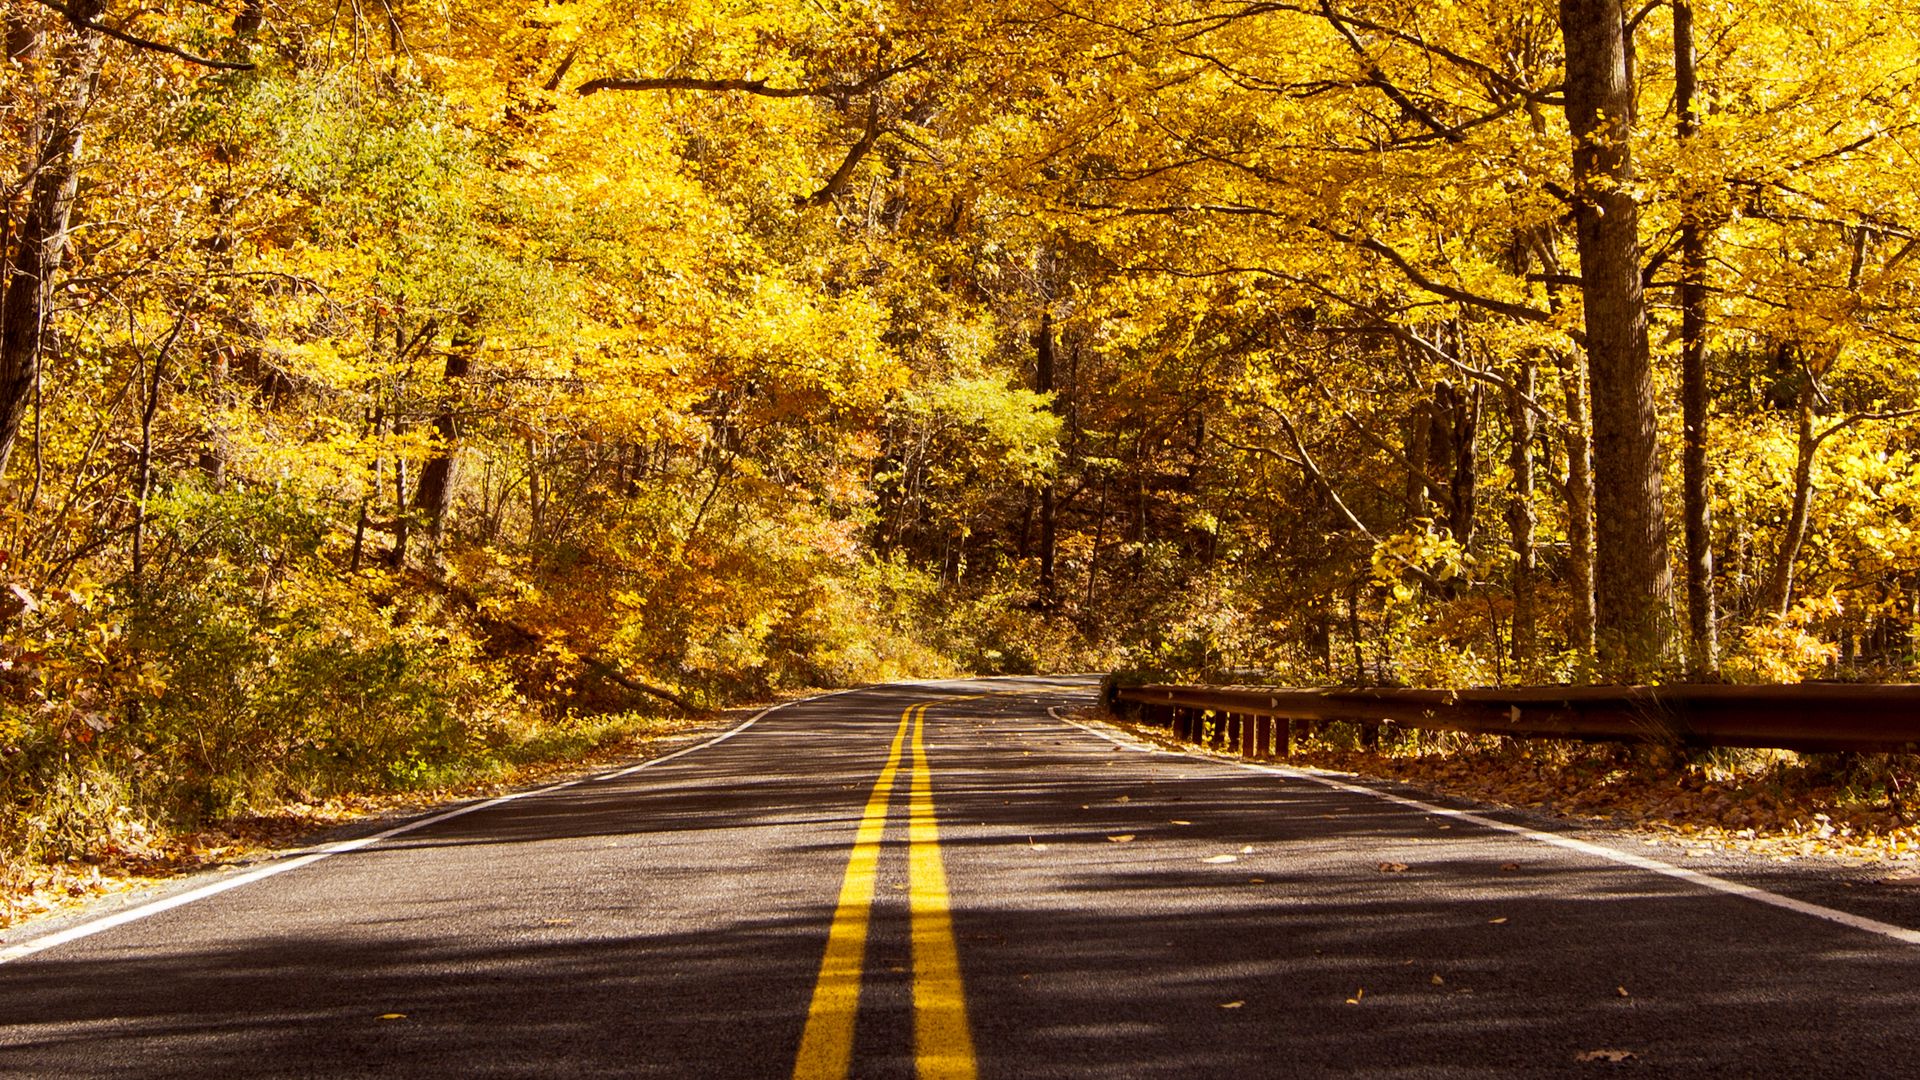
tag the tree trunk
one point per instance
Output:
(1043, 383)
(1521, 520)
(1780, 582)
(1703, 653)
(1419, 434)
(1581, 629)
(1633, 579)
(374, 471)
(40, 246)
(1463, 441)
(402, 514)
(433, 497)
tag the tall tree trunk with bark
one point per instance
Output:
(1633, 583)
(1703, 653)
(38, 247)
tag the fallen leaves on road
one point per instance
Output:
(1393, 868)
(1622, 991)
(1121, 839)
(1498, 921)
(1357, 996)
(1232, 1004)
(1177, 821)
(392, 1016)
(1611, 1057)
(1221, 859)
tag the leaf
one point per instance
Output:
(1509, 867)
(1611, 1057)
(1622, 991)
(1437, 980)
(1393, 868)
(1221, 859)
(1232, 1004)
(1177, 821)
(393, 1016)
(1498, 921)
(1357, 996)
(1121, 839)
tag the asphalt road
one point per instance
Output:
(972, 888)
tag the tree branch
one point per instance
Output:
(1861, 418)
(82, 21)
(1522, 312)
(1379, 78)
(838, 181)
(758, 87)
(1304, 462)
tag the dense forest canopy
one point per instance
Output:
(379, 383)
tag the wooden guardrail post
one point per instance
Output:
(1262, 737)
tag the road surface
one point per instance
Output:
(944, 880)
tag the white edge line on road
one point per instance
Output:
(1585, 847)
(294, 860)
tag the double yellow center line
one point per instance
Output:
(942, 1040)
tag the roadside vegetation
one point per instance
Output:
(391, 397)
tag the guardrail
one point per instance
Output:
(1261, 722)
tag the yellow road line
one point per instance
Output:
(942, 1039)
(826, 1046)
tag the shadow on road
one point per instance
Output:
(670, 924)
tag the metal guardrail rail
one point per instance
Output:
(1260, 721)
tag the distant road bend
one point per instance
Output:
(949, 880)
